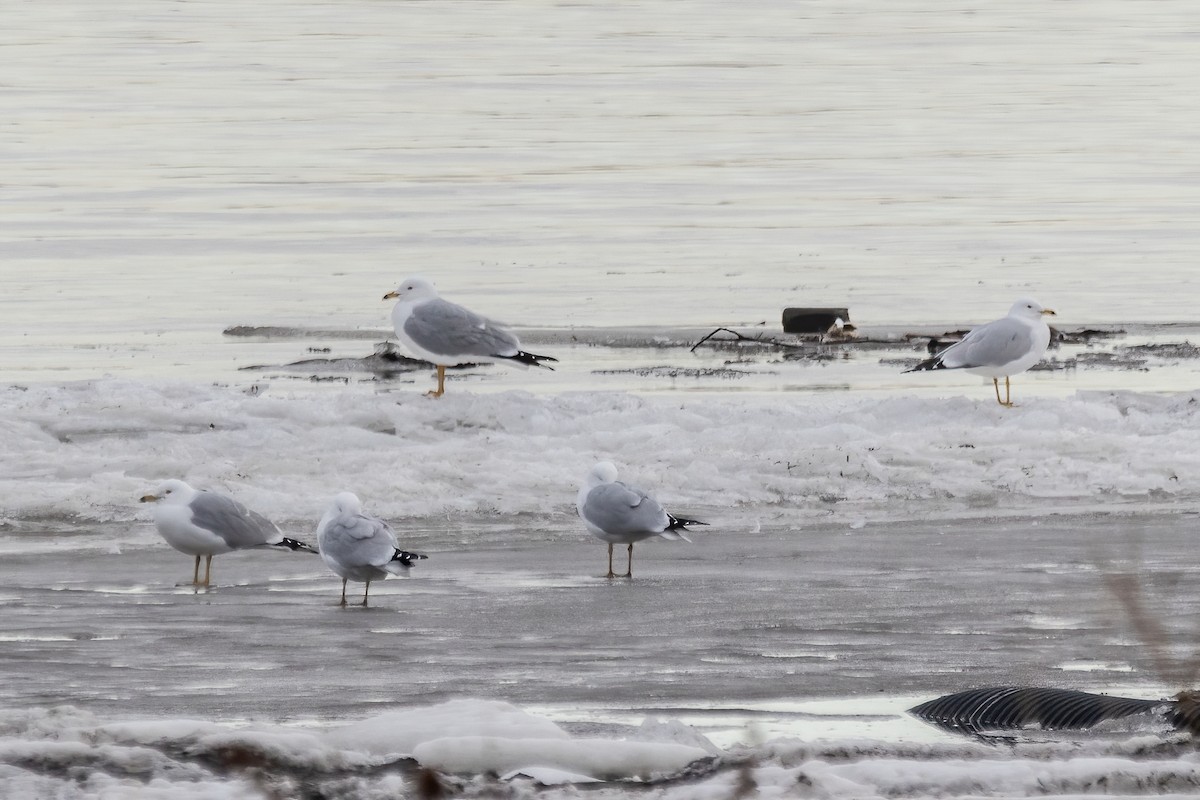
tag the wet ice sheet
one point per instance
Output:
(756, 621)
(802, 644)
(644, 359)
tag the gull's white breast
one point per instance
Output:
(175, 525)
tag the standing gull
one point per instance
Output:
(446, 334)
(999, 349)
(209, 524)
(616, 513)
(359, 547)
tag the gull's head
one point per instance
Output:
(172, 492)
(346, 503)
(1030, 309)
(604, 472)
(410, 289)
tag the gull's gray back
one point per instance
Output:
(237, 525)
(357, 540)
(992, 345)
(621, 510)
(444, 328)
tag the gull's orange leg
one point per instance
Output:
(366, 589)
(196, 573)
(610, 574)
(1007, 401)
(207, 569)
(343, 603)
(629, 568)
(441, 390)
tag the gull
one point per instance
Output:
(999, 349)
(359, 547)
(446, 334)
(616, 513)
(203, 523)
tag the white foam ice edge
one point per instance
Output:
(90, 449)
(472, 744)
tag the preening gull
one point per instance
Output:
(616, 513)
(359, 547)
(203, 523)
(446, 334)
(999, 349)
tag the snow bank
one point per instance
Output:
(92, 448)
(480, 736)
(67, 753)
(547, 776)
(399, 732)
(596, 758)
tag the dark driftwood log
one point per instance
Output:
(1012, 708)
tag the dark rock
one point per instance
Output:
(813, 320)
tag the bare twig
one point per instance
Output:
(741, 337)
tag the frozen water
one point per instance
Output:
(172, 174)
(90, 449)
(615, 179)
(398, 733)
(515, 610)
(867, 552)
(735, 638)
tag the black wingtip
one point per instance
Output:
(927, 364)
(295, 544)
(681, 522)
(532, 360)
(406, 558)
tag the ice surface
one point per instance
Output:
(883, 549)
(88, 450)
(596, 758)
(397, 733)
(728, 641)
(548, 776)
(86, 760)
(554, 159)
(877, 539)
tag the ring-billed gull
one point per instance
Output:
(359, 547)
(446, 334)
(999, 349)
(204, 523)
(616, 513)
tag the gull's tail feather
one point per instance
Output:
(401, 560)
(532, 360)
(677, 526)
(294, 544)
(406, 558)
(928, 364)
(682, 522)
